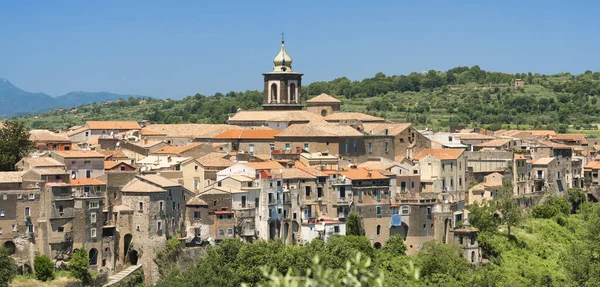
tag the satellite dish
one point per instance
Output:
(73, 176)
(118, 144)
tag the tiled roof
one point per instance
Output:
(520, 156)
(137, 185)
(442, 154)
(569, 137)
(340, 116)
(195, 201)
(113, 164)
(473, 136)
(323, 98)
(554, 145)
(291, 173)
(263, 165)
(542, 132)
(85, 181)
(42, 161)
(593, 165)
(275, 116)
(11, 176)
(543, 161)
(249, 134)
(146, 143)
(113, 153)
(379, 128)
(47, 136)
(362, 174)
(79, 154)
(377, 165)
(495, 143)
(149, 132)
(319, 130)
(173, 149)
(159, 180)
(191, 130)
(309, 170)
(49, 171)
(215, 159)
(113, 125)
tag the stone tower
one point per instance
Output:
(282, 85)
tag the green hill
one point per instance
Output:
(461, 96)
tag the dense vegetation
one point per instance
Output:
(14, 144)
(461, 96)
(556, 250)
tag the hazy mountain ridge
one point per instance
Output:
(15, 101)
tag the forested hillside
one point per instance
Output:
(460, 96)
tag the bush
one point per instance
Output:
(395, 245)
(78, 265)
(8, 269)
(544, 211)
(44, 269)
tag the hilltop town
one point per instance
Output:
(293, 171)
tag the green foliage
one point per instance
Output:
(79, 264)
(166, 258)
(395, 245)
(14, 144)
(8, 268)
(354, 224)
(483, 217)
(576, 198)
(442, 262)
(507, 206)
(44, 269)
(553, 207)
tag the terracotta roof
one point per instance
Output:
(290, 173)
(275, 116)
(195, 201)
(11, 176)
(42, 161)
(593, 165)
(215, 159)
(159, 180)
(241, 178)
(495, 143)
(379, 128)
(263, 165)
(362, 174)
(47, 136)
(85, 181)
(473, 136)
(443, 154)
(569, 137)
(113, 164)
(146, 143)
(113, 153)
(323, 98)
(79, 154)
(249, 134)
(113, 125)
(542, 132)
(137, 185)
(377, 165)
(191, 130)
(554, 145)
(309, 170)
(174, 149)
(77, 131)
(149, 132)
(543, 161)
(49, 171)
(520, 156)
(341, 116)
(319, 130)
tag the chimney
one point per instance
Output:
(369, 174)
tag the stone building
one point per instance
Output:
(282, 86)
(81, 164)
(260, 142)
(407, 141)
(323, 105)
(47, 140)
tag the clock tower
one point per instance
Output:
(282, 85)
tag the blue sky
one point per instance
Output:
(179, 48)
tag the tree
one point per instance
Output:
(510, 212)
(354, 225)
(482, 217)
(44, 269)
(78, 265)
(8, 268)
(395, 245)
(14, 144)
(576, 198)
(442, 260)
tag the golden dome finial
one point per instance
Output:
(283, 61)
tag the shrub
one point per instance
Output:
(44, 269)
(544, 211)
(78, 265)
(8, 269)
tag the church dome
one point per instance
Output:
(283, 61)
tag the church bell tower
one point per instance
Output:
(282, 85)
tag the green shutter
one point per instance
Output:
(360, 196)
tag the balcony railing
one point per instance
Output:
(344, 200)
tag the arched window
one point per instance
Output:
(378, 230)
(472, 239)
(473, 256)
(404, 210)
(93, 256)
(274, 93)
(292, 93)
(324, 112)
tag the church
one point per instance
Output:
(283, 101)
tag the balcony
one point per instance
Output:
(347, 200)
(66, 213)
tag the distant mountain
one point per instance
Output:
(14, 101)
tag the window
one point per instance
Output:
(323, 209)
(404, 210)
(73, 162)
(378, 230)
(386, 146)
(170, 193)
(13, 228)
(19, 196)
(251, 148)
(306, 147)
(140, 206)
(93, 232)
(73, 174)
(451, 182)
(308, 191)
(451, 165)
(1, 212)
(354, 147)
(197, 231)
(287, 146)
(31, 196)
(60, 229)
(244, 201)
(196, 214)
(429, 212)
(460, 181)
(93, 217)
(229, 231)
(443, 166)
(346, 147)
(221, 232)
(86, 162)
(360, 196)
(5, 196)
(378, 208)
(0, 230)
(196, 168)
(94, 204)
(336, 229)
(369, 147)
(27, 212)
(161, 206)
(122, 168)
(30, 228)
(378, 195)
(158, 226)
(403, 186)
(319, 192)
(412, 184)
(272, 146)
